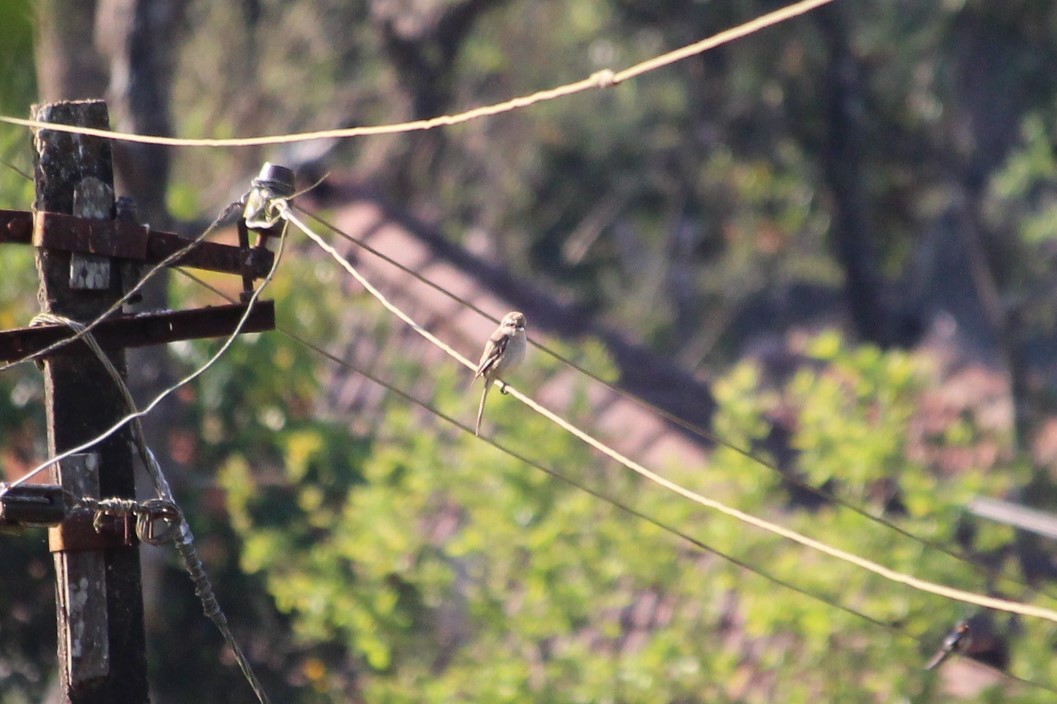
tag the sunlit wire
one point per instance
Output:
(763, 524)
(601, 79)
(158, 399)
(88, 327)
(668, 528)
(683, 423)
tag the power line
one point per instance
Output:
(687, 425)
(668, 528)
(671, 417)
(88, 327)
(601, 79)
(158, 399)
(604, 78)
(763, 524)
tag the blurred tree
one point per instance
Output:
(69, 66)
(422, 41)
(446, 571)
(878, 170)
(27, 630)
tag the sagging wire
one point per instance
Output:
(603, 79)
(763, 524)
(892, 627)
(88, 327)
(689, 426)
(147, 514)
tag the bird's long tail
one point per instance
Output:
(480, 409)
(937, 659)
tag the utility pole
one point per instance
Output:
(88, 256)
(98, 590)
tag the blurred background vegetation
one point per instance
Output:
(844, 225)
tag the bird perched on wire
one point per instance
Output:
(957, 641)
(503, 352)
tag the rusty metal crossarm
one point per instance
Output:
(255, 262)
(127, 240)
(144, 329)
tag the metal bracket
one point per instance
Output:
(81, 531)
(78, 532)
(144, 329)
(32, 505)
(126, 240)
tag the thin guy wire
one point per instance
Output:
(601, 79)
(891, 627)
(583, 487)
(128, 294)
(136, 426)
(692, 427)
(187, 379)
(696, 542)
(184, 543)
(774, 528)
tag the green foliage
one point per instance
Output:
(413, 563)
(1023, 201)
(17, 90)
(449, 571)
(852, 420)
(851, 413)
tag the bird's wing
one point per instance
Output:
(492, 352)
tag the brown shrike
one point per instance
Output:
(503, 352)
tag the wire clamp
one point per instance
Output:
(100, 524)
(154, 521)
(90, 530)
(158, 521)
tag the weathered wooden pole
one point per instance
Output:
(98, 588)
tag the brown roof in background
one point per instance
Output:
(632, 428)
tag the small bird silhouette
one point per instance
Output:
(503, 352)
(957, 641)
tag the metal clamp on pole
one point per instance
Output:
(87, 530)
